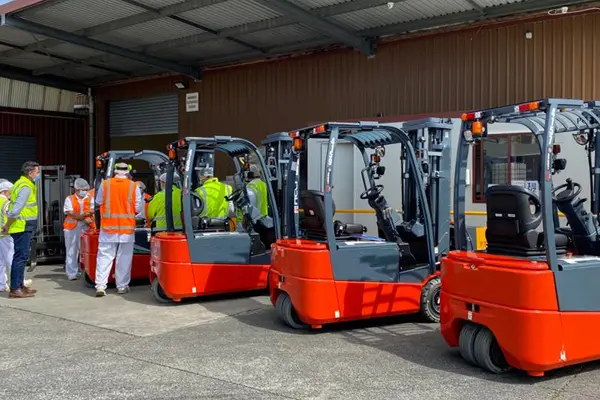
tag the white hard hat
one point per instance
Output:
(141, 185)
(163, 178)
(81, 184)
(5, 185)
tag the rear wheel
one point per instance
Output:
(430, 300)
(87, 281)
(466, 342)
(287, 313)
(488, 353)
(158, 292)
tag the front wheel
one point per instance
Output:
(287, 313)
(430, 300)
(158, 292)
(87, 281)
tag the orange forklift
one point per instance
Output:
(105, 164)
(327, 271)
(218, 255)
(530, 300)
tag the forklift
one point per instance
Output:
(47, 244)
(218, 255)
(105, 163)
(326, 271)
(529, 300)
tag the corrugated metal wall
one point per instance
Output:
(454, 71)
(19, 94)
(59, 139)
(155, 115)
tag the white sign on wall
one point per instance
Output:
(191, 102)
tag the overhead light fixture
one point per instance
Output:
(180, 85)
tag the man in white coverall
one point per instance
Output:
(7, 248)
(79, 214)
(119, 200)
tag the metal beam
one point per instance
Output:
(252, 27)
(476, 6)
(20, 74)
(120, 23)
(28, 26)
(322, 25)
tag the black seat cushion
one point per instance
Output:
(312, 221)
(513, 215)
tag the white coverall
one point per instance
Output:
(111, 245)
(7, 251)
(72, 238)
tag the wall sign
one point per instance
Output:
(191, 102)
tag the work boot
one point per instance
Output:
(19, 294)
(100, 293)
(27, 282)
(27, 290)
(123, 290)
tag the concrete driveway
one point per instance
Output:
(67, 344)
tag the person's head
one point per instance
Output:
(81, 187)
(31, 169)
(204, 173)
(254, 171)
(141, 185)
(5, 188)
(162, 180)
(121, 170)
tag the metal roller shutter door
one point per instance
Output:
(14, 151)
(149, 116)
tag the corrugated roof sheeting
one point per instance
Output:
(279, 36)
(205, 50)
(73, 15)
(158, 3)
(30, 61)
(230, 13)
(74, 51)
(310, 4)
(17, 36)
(493, 3)
(81, 72)
(19, 94)
(155, 31)
(401, 12)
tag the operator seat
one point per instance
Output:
(313, 219)
(511, 223)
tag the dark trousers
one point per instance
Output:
(22, 248)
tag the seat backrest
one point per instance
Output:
(313, 204)
(512, 210)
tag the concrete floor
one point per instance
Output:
(67, 344)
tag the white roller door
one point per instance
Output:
(157, 115)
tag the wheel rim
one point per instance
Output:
(436, 300)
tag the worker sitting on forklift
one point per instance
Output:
(213, 193)
(79, 211)
(147, 197)
(157, 210)
(257, 190)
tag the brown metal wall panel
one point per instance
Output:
(60, 140)
(450, 72)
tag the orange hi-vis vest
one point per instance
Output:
(117, 212)
(70, 222)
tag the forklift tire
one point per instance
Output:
(287, 313)
(430, 300)
(488, 353)
(466, 342)
(88, 282)
(158, 293)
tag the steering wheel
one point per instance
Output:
(571, 191)
(372, 192)
(197, 204)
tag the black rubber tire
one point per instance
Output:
(488, 354)
(466, 342)
(287, 313)
(158, 293)
(430, 300)
(87, 281)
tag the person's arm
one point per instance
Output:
(15, 211)
(99, 196)
(139, 201)
(152, 208)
